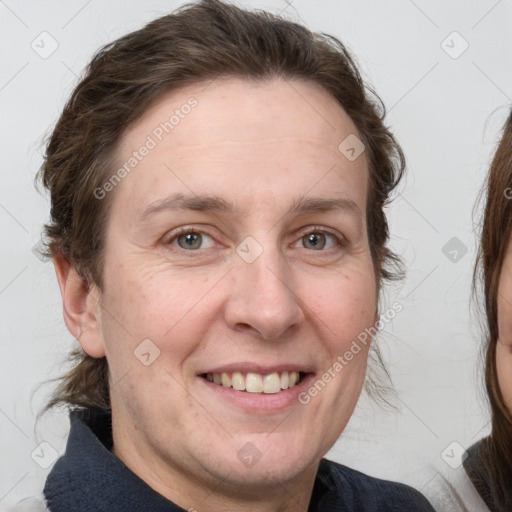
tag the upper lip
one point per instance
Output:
(263, 369)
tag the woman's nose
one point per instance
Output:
(263, 297)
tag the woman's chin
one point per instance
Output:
(261, 463)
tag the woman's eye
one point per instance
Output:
(192, 240)
(318, 240)
(195, 240)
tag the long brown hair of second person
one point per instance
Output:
(496, 232)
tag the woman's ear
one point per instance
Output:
(81, 307)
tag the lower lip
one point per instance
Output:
(260, 402)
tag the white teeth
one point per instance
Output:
(238, 381)
(226, 380)
(255, 382)
(272, 383)
(285, 380)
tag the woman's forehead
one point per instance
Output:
(243, 111)
(244, 143)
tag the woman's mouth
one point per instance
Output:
(251, 382)
(257, 388)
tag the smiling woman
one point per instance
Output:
(224, 274)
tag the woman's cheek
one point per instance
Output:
(504, 345)
(348, 314)
(504, 367)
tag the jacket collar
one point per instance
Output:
(90, 477)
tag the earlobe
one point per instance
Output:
(81, 307)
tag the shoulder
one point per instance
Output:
(29, 505)
(370, 493)
(451, 489)
(478, 467)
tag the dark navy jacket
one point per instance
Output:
(88, 477)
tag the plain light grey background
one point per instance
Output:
(443, 71)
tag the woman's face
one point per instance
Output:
(236, 250)
(504, 346)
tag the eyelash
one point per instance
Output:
(339, 241)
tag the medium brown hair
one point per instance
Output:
(496, 232)
(197, 43)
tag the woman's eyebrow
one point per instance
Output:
(216, 204)
(180, 201)
(306, 204)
